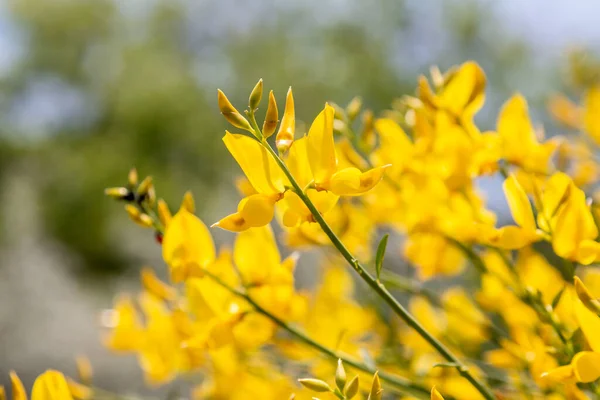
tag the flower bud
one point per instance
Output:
(586, 297)
(84, 369)
(376, 392)
(145, 186)
(119, 193)
(231, 114)
(188, 202)
(272, 117)
(138, 217)
(353, 108)
(132, 177)
(256, 95)
(352, 388)
(164, 215)
(316, 385)
(340, 376)
(287, 129)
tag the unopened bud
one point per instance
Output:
(353, 108)
(436, 76)
(188, 202)
(145, 186)
(132, 177)
(119, 193)
(84, 369)
(352, 388)
(138, 217)
(256, 95)
(272, 117)
(586, 297)
(339, 112)
(376, 392)
(316, 385)
(231, 114)
(164, 215)
(151, 196)
(340, 376)
(287, 129)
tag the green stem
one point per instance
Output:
(378, 287)
(399, 383)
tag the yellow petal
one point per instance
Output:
(512, 238)
(465, 90)
(79, 391)
(126, 326)
(587, 252)
(51, 385)
(321, 147)
(187, 245)
(561, 374)
(257, 164)
(586, 366)
(435, 395)
(591, 118)
(18, 391)
(574, 224)
(515, 129)
(352, 182)
(258, 209)
(152, 284)
(589, 324)
(287, 129)
(255, 266)
(233, 222)
(518, 202)
(298, 164)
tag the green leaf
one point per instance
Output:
(380, 254)
(446, 365)
(557, 298)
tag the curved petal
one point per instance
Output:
(589, 324)
(352, 182)
(519, 204)
(255, 266)
(257, 210)
(321, 147)
(187, 245)
(586, 366)
(512, 238)
(233, 222)
(51, 385)
(18, 391)
(258, 165)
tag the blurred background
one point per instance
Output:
(91, 88)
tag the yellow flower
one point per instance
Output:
(264, 175)
(321, 152)
(520, 145)
(525, 233)
(125, 324)
(591, 116)
(575, 232)
(187, 246)
(435, 395)
(585, 365)
(51, 385)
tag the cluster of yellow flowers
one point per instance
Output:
(518, 319)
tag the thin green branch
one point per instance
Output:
(378, 287)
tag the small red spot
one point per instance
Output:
(159, 237)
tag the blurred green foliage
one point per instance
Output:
(144, 78)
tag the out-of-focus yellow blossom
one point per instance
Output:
(519, 140)
(51, 385)
(575, 232)
(466, 324)
(525, 233)
(585, 365)
(187, 246)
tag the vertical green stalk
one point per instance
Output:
(377, 286)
